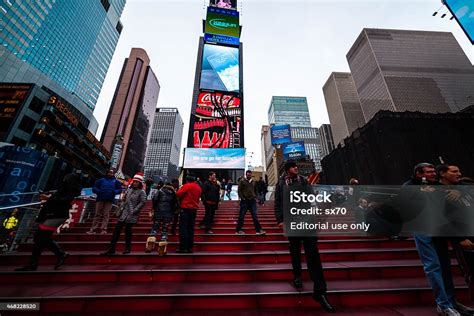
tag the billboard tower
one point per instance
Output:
(216, 130)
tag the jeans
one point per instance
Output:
(436, 269)
(261, 197)
(186, 229)
(313, 261)
(246, 205)
(209, 215)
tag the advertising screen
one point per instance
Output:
(12, 97)
(225, 4)
(220, 68)
(222, 22)
(221, 39)
(217, 121)
(463, 11)
(214, 158)
(294, 150)
(280, 134)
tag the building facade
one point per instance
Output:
(385, 150)
(268, 155)
(34, 116)
(326, 140)
(128, 125)
(312, 143)
(343, 106)
(289, 110)
(400, 70)
(164, 147)
(70, 42)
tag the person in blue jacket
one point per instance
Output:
(106, 189)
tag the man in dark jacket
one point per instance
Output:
(106, 189)
(248, 193)
(310, 244)
(262, 191)
(53, 213)
(210, 198)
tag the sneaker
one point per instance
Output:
(240, 232)
(202, 227)
(447, 311)
(261, 232)
(90, 232)
(210, 232)
(103, 232)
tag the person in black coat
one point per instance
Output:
(165, 204)
(53, 214)
(310, 244)
(210, 198)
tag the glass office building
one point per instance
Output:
(71, 42)
(289, 110)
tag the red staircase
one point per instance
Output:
(227, 274)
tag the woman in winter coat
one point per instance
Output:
(165, 204)
(132, 204)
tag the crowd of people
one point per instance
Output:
(172, 203)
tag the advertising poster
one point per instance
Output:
(20, 172)
(217, 122)
(221, 39)
(224, 4)
(222, 22)
(294, 150)
(280, 134)
(463, 11)
(220, 68)
(214, 158)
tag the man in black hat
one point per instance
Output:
(313, 260)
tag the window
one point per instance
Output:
(27, 124)
(18, 141)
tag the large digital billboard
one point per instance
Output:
(12, 97)
(280, 134)
(222, 22)
(225, 4)
(220, 68)
(217, 121)
(214, 158)
(221, 39)
(294, 150)
(463, 11)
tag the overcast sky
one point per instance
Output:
(290, 49)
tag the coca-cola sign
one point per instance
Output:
(223, 100)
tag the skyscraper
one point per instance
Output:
(326, 139)
(216, 128)
(312, 144)
(400, 70)
(128, 125)
(289, 110)
(164, 148)
(343, 106)
(71, 42)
